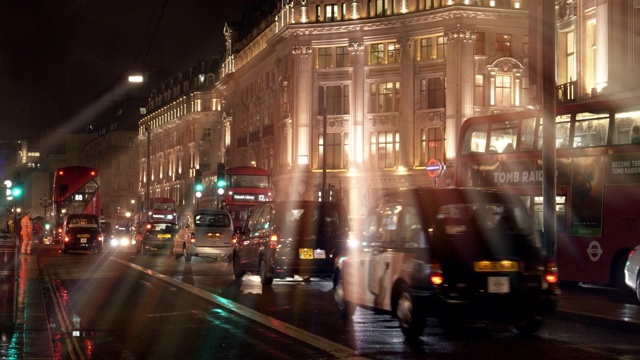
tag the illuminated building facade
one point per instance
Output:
(360, 95)
(369, 90)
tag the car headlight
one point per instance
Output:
(114, 242)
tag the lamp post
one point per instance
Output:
(137, 78)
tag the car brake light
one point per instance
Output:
(192, 238)
(551, 272)
(436, 273)
(273, 241)
(66, 239)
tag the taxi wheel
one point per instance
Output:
(412, 322)
(346, 309)
(529, 325)
(238, 273)
(266, 279)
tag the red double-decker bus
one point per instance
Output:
(76, 190)
(597, 179)
(246, 186)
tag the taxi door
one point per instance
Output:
(383, 256)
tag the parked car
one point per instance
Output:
(204, 232)
(81, 232)
(154, 237)
(287, 238)
(632, 271)
(456, 255)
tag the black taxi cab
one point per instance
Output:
(451, 254)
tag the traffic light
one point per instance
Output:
(198, 187)
(16, 190)
(221, 182)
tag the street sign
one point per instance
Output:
(435, 168)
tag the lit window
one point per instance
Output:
(385, 148)
(432, 93)
(385, 97)
(324, 58)
(503, 45)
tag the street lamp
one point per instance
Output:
(137, 78)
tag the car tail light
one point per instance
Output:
(192, 238)
(436, 273)
(66, 238)
(149, 226)
(631, 254)
(273, 241)
(551, 272)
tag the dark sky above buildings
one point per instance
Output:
(60, 57)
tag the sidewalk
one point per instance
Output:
(31, 338)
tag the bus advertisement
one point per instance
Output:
(597, 179)
(76, 190)
(246, 186)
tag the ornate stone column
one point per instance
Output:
(358, 93)
(407, 113)
(302, 100)
(459, 87)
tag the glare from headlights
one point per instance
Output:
(114, 242)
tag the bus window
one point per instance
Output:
(562, 131)
(503, 137)
(475, 140)
(561, 225)
(590, 130)
(623, 127)
(527, 131)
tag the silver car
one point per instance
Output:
(632, 271)
(204, 233)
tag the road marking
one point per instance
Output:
(65, 324)
(330, 347)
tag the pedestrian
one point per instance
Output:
(27, 233)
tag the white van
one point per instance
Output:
(204, 232)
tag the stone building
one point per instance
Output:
(358, 96)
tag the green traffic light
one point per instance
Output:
(221, 183)
(16, 192)
(199, 187)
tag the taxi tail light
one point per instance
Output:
(551, 272)
(436, 273)
(192, 238)
(273, 241)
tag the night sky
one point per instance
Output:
(60, 57)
